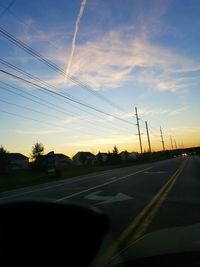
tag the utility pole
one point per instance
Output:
(183, 145)
(171, 143)
(138, 126)
(161, 134)
(175, 144)
(148, 136)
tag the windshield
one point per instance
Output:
(99, 105)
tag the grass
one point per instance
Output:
(28, 177)
(23, 178)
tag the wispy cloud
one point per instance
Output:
(83, 3)
(115, 139)
(148, 111)
(123, 55)
(189, 129)
(111, 61)
(39, 132)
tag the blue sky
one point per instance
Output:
(134, 53)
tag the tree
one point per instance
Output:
(37, 152)
(115, 156)
(99, 158)
(4, 160)
(115, 150)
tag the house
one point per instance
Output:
(61, 159)
(125, 155)
(133, 155)
(53, 160)
(84, 158)
(18, 161)
(101, 157)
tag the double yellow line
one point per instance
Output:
(141, 222)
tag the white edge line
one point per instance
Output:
(91, 188)
(61, 183)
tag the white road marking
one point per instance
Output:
(155, 172)
(98, 186)
(59, 183)
(106, 199)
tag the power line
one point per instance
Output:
(26, 108)
(53, 66)
(5, 63)
(27, 24)
(7, 8)
(153, 129)
(50, 105)
(43, 104)
(27, 118)
(30, 109)
(48, 85)
(63, 96)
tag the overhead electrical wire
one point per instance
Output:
(7, 8)
(30, 109)
(52, 106)
(65, 97)
(5, 63)
(56, 68)
(53, 66)
(27, 108)
(28, 118)
(25, 23)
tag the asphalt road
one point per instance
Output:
(136, 199)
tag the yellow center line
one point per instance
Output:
(141, 222)
(149, 218)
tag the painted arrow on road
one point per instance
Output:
(107, 199)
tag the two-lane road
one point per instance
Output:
(136, 199)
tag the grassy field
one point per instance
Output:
(29, 177)
(23, 178)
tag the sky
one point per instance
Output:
(122, 54)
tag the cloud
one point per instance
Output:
(187, 129)
(83, 3)
(32, 33)
(39, 132)
(115, 139)
(70, 120)
(112, 61)
(149, 111)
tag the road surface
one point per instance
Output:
(136, 199)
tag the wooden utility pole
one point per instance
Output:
(175, 144)
(171, 143)
(138, 126)
(148, 136)
(161, 135)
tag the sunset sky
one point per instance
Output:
(123, 53)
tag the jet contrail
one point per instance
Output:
(75, 35)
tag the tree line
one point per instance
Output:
(39, 162)
(35, 156)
